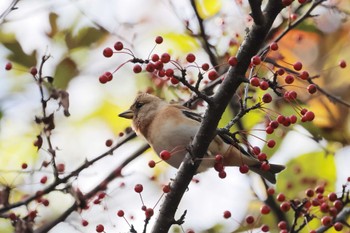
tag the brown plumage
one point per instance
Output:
(171, 127)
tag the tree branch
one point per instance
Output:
(257, 14)
(250, 46)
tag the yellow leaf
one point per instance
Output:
(208, 8)
(181, 43)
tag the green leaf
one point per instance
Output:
(65, 71)
(53, 24)
(84, 38)
(18, 55)
(305, 172)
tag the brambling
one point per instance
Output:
(171, 127)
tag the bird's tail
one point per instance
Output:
(270, 174)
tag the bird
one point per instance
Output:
(171, 127)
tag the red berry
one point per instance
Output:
(271, 143)
(138, 188)
(249, 219)
(169, 73)
(326, 221)
(151, 164)
(165, 57)
(218, 158)
(267, 98)
(205, 66)
(256, 150)
(150, 67)
(324, 207)
(159, 40)
(149, 212)
(61, 167)
(262, 157)
(281, 119)
(342, 64)
(24, 165)
(293, 119)
(265, 228)
(212, 75)
(289, 79)
(155, 57)
(264, 85)
(304, 75)
(274, 124)
(309, 116)
(254, 81)
(100, 228)
(274, 46)
(298, 66)
(256, 60)
(265, 166)
(109, 142)
(285, 206)
(338, 204)
(190, 57)
(33, 71)
(232, 61)
(8, 66)
(219, 167)
(287, 2)
(45, 202)
(282, 225)
(137, 69)
(265, 209)
(280, 71)
(43, 179)
(270, 191)
(338, 226)
(174, 81)
(227, 214)
(120, 213)
(312, 88)
(281, 197)
(166, 188)
(84, 222)
(222, 174)
(302, 1)
(332, 197)
(108, 52)
(244, 168)
(165, 155)
(118, 45)
(309, 192)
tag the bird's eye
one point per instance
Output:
(138, 105)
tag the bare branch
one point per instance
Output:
(257, 14)
(10, 8)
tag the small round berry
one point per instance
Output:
(264, 85)
(149, 212)
(256, 60)
(309, 116)
(227, 214)
(267, 98)
(109, 142)
(326, 220)
(274, 46)
(218, 158)
(271, 143)
(8, 66)
(45, 202)
(289, 79)
(269, 130)
(118, 45)
(108, 52)
(302, 1)
(24, 165)
(169, 73)
(281, 119)
(232, 61)
(332, 197)
(274, 124)
(312, 88)
(100, 228)
(297, 66)
(338, 226)
(243, 168)
(342, 64)
(151, 164)
(166, 189)
(265, 228)
(137, 69)
(165, 155)
(338, 204)
(120, 213)
(219, 167)
(165, 57)
(159, 40)
(254, 81)
(84, 223)
(287, 2)
(155, 57)
(190, 57)
(280, 71)
(256, 150)
(281, 197)
(61, 167)
(33, 71)
(285, 206)
(262, 157)
(249, 219)
(212, 75)
(205, 66)
(150, 67)
(265, 166)
(309, 192)
(265, 209)
(138, 188)
(324, 207)
(304, 75)
(222, 174)
(270, 191)
(174, 81)
(43, 179)
(282, 225)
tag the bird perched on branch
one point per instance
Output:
(171, 127)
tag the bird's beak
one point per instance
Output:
(128, 114)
